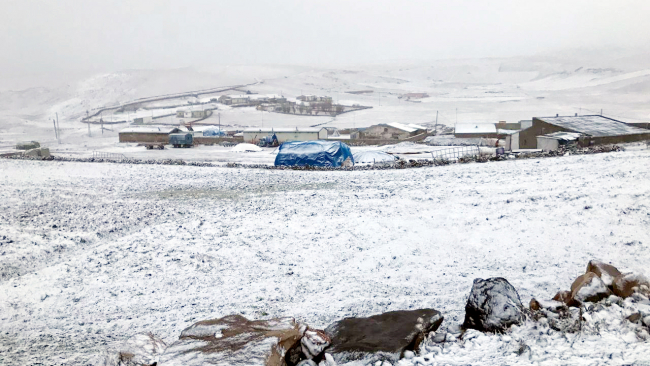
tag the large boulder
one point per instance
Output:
(589, 288)
(383, 337)
(493, 305)
(143, 349)
(605, 271)
(234, 341)
(626, 284)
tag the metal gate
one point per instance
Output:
(108, 156)
(455, 153)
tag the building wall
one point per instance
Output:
(528, 137)
(547, 144)
(140, 137)
(587, 141)
(476, 135)
(384, 133)
(255, 136)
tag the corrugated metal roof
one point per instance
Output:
(405, 127)
(476, 128)
(596, 126)
(283, 129)
(562, 135)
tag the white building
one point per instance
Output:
(254, 134)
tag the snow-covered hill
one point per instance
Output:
(469, 90)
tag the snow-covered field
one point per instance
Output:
(91, 254)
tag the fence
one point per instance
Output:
(455, 153)
(108, 156)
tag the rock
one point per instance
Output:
(563, 296)
(142, 349)
(589, 288)
(606, 272)
(625, 284)
(550, 305)
(383, 337)
(27, 145)
(635, 318)
(493, 305)
(42, 152)
(234, 341)
(310, 347)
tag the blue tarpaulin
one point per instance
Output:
(313, 153)
(213, 132)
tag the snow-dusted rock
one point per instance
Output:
(565, 297)
(143, 349)
(550, 305)
(310, 347)
(234, 341)
(383, 337)
(493, 305)
(589, 288)
(605, 271)
(625, 284)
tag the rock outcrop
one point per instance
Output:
(624, 285)
(385, 337)
(235, 341)
(606, 272)
(493, 305)
(589, 288)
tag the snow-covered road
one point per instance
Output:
(91, 254)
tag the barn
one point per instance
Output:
(595, 129)
(254, 134)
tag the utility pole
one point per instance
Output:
(219, 115)
(56, 133)
(89, 135)
(601, 111)
(58, 127)
(436, 128)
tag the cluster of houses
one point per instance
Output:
(545, 133)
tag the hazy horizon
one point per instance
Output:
(73, 37)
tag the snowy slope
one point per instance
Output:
(94, 253)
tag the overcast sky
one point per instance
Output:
(53, 36)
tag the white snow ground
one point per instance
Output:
(91, 254)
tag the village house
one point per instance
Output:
(595, 130)
(392, 131)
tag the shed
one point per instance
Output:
(392, 131)
(314, 153)
(142, 120)
(475, 130)
(147, 134)
(596, 130)
(254, 134)
(553, 141)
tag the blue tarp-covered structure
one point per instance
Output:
(214, 132)
(313, 153)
